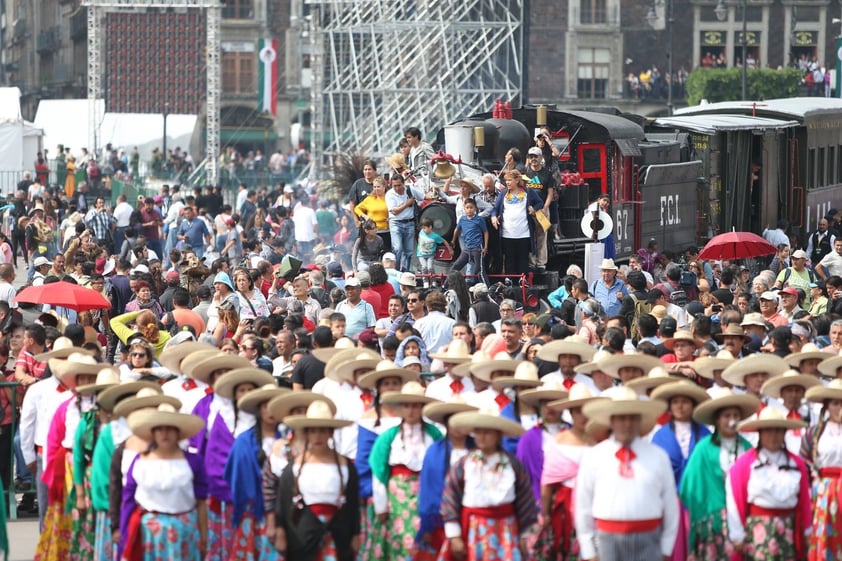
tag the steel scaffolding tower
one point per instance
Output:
(380, 66)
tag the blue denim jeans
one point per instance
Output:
(403, 242)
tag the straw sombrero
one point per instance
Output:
(144, 421)
(281, 405)
(611, 364)
(465, 368)
(107, 377)
(143, 399)
(189, 363)
(227, 383)
(411, 392)
(219, 362)
(818, 394)
(525, 376)
(457, 352)
(108, 398)
(733, 330)
(77, 364)
(250, 403)
(489, 419)
(549, 391)
(579, 395)
(474, 188)
(706, 366)
(770, 418)
(386, 369)
(830, 366)
(172, 356)
(62, 348)
(319, 416)
(625, 402)
(656, 377)
(683, 388)
(362, 359)
(593, 365)
(723, 398)
(483, 369)
(808, 351)
(681, 336)
(438, 411)
(773, 386)
(768, 363)
(327, 353)
(551, 351)
(397, 162)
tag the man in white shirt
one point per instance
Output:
(831, 264)
(435, 328)
(626, 503)
(7, 291)
(122, 213)
(457, 361)
(306, 227)
(568, 355)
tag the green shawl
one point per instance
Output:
(702, 489)
(379, 457)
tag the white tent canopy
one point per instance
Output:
(20, 140)
(65, 121)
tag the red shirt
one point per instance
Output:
(30, 365)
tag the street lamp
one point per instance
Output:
(652, 19)
(721, 14)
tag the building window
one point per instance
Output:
(238, 73)
(238, 9)
(592, 11)
(594, 66)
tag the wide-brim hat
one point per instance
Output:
(343, 371)
(37, 207)
(474, 188)
(818, 394)
(808, 351)
(682, 336)
(525, 376)
(281, 405)
(222, 361)
(706, 366)
(611, 364)
(829, 366)
(549, 391)
(773, 387)
(411, 392)
(579, 395)
(386, 369)
(439, 411)
(172, 355)
(483, 369)
(319, 416)
(227, 383)
(188, 364)
(222, 277)
(770, 418)
(325, 354)
(769, 363)
(680, 388)
(754, 318)
(608, 265)
(143, 422)
(62, 348)
(656, 377)
(489, 419)
(397, 161)
(108, 398)
(250, 403)
(593, 365)
(77, 364)
(22, 220)
(457, 352)
(107, 377)
(733, 330)
(551, 351)
(625, 402)
(465, 368)
(705, 413)
(145, 398)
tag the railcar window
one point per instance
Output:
(820, 182)
(811, 168)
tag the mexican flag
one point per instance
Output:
(267, 76)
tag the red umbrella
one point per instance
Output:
(64, 294)
(736, 245)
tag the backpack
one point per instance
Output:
(640, 307)
(677, 296)
(788, 274)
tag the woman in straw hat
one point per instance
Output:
(317, 511)
(558, 478)
(822, 449)
(626, 503)
(702, 488)
(164, 512)
(76, 370)
(440, 457)
(768, 493)
(790, 389)
(396, 460)
(244, 474)
(488, 507)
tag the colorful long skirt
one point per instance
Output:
(54, 543)
(84, 525)
(370, 527)
(708, 543)
(251, 542)
(556, 541)
(770, 538)
(826, 538)
(103, 544)
(489, 539)
(220, 530)
(170, 537)
(396, 540)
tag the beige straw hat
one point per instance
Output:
(319, 416)
(144, 421)
(723, 398)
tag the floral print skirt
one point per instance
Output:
(826, 538)
(220, 530)
(103, 544)
(251, 543)
(170, 537)
(708, 543)
(84, 526)
(770, 538)
(493, 539)
(395, 540)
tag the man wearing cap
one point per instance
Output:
(769, 309)
(798, 275)
(789, 303)
(626, 501)
(540, 179)
(42, 267)
(401, 202)
(389, 260)
(358, 313)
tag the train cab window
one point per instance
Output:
(820, 182)
(811, 168)
(561, 140)
(591, 160)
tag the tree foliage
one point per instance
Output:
(725, 84)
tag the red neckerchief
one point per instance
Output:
(625, 454)
(502, 400)
(189, 384)
(456, 386)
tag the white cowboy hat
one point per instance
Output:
(281, 405)
(768, 363)
(612, 363)
(319, 416)
(684, 388)
(250, 403)
(143, 422)
(482, 369)
(489, 419)
(224, 363)
(773, 386)
(411, 392)
(723, 398)
(608, 265)
(386, 369)
(593, 365)
(625, 401)
(227, 383)
(188, 364)
(770, 418)
(682, 336)
(439, 411)
(143, 399)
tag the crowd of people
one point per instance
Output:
(254, 392)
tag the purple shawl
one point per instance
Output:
(530, 451)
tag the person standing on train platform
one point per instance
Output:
(401, 201)
(820, 242)
(540, 179)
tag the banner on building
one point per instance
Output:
(267, 78)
